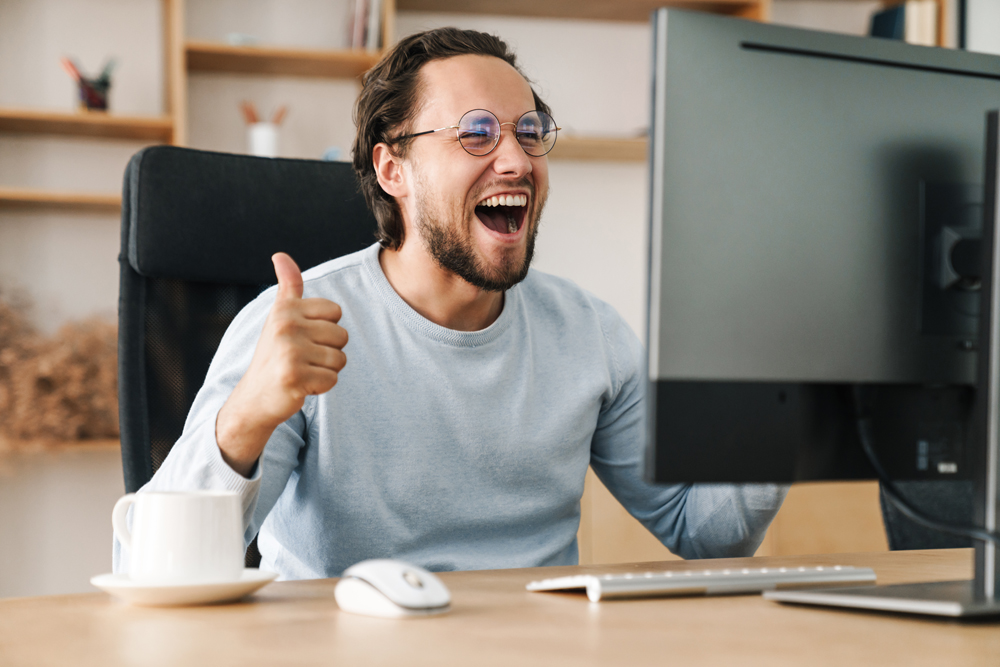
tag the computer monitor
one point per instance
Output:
(815, 252)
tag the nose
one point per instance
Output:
(510, 159)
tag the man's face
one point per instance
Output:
(488, 246)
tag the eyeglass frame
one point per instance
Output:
(495, 143)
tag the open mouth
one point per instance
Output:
(504, 214)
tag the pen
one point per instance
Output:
(108, 68)
(249, 112)
(71, 69)
(279, 115)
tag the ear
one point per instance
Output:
(389, 170)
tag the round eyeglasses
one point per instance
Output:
(479, 132)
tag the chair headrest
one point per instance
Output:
(216, 217)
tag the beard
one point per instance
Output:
(449, 242)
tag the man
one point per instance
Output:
(478, 392)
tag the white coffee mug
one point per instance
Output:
(182, 537)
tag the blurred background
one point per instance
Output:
(61, 169)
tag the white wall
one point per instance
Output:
(982, 25)
(307, 24)
(55, 518)
(594, 75)
(852, 18)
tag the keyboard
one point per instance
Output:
(728, 581)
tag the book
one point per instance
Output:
(359, 20)
(889, 23)
(913, 21)
(373, 37)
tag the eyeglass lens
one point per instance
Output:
(479, 132)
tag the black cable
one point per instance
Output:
(892, 491)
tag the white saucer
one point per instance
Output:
(121, 586)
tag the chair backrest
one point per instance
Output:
(198, 231)
(948, 501)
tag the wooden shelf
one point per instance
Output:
(15, 455)
(59, 446)
(214, 57)
(623, 10)
(597, 149)
(81, 201)
(87, 124)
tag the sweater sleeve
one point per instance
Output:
(195, 461)
(692, 520)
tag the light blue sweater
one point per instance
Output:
(454, 450)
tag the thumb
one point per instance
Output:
(289, 276)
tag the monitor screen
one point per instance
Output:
(816, 211)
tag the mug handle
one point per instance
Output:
(118, 519)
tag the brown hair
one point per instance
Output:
(388, 102)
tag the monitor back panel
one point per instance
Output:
(794, 173)
(800, 182)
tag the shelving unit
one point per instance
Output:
(599, 149)
(87, 124)
(199, 56)
(82, 201)
(20, 451)
(266, 61)
(203, 56)
(339, 64)
(168, 128)
(182, 56)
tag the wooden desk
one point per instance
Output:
(496, 622)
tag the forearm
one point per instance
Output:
(241, 434)
(700, 520)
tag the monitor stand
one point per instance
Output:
(981, 595)
(935, 598)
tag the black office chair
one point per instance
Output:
(198, 232)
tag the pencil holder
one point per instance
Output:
(263, 139)
(93, 94)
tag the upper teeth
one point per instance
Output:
(505, 200)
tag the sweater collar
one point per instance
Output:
(417, 322)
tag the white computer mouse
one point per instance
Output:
(391, 589)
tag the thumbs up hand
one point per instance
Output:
(299, 353)
(289, 276)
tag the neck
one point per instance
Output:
(436, 293)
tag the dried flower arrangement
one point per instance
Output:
(60, 387)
